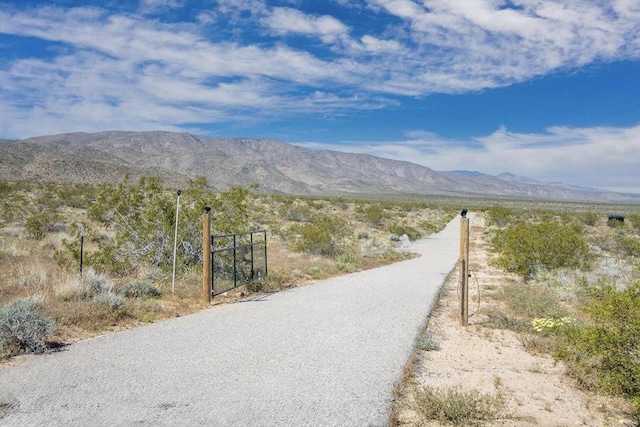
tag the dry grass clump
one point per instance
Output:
(454, 406)
(85, 287)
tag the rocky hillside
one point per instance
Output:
(276, 166)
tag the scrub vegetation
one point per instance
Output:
(580, 295)
(555, 280)
(126, 231)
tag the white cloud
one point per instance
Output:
(105, 70)
(376, 45)
(284, 20)
(605, 158)
(484, 44)
(151, 6)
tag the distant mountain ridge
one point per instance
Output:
(276, 166)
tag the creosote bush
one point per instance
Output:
(400, 229)
(604, 354)
(141, 219)
(323, 235)
(526, 248)
(23, 328)
(40, 224)
(373, 214)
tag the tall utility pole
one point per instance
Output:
(175, 245)
(464, 268)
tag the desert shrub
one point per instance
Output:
(323, 235)
(110, 300)
(75, 195)
(604, 354)
(298, 212)
(634, 220)
(399, 229)
(427, 343)
(349, 262)
(86, 287)
(457, 407)
(629, 246)
(23, 328)
(525, 248)
(373, 214)
(68, 253)
(97, 283)
(431, 227)
(589, 218)
(141, 289)
(614, 223)
(499, 320)
(532, 300)
(40, 224)
(500, 216)
(363, 235)
(142, 219)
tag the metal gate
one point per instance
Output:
(237, 260)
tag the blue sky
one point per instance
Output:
(540, 88)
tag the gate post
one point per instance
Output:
(206, 255)
(464, 269)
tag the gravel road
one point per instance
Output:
(326, 354)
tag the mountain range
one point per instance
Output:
(276, 166)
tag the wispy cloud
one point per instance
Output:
(284, 20)
(108, 69)
(433, 46)
(154, 6)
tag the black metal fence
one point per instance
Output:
(237, 260)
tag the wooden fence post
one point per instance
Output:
(206, 255)
(464, 270)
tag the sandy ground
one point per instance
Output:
(533, 389)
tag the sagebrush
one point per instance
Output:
(23, 328)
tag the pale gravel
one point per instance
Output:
(326, 354)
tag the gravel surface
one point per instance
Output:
(326, 354)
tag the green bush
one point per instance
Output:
(525, 248)
(298, 212)
(589, 218)
(40, 224)
(604, 355)
(140, 289)
(500, 216)
(629, 246)
(373, 214)
(349, 262)
(141, 219)
(399, 229)
(23, 329)
(323, 235)
(634, 220)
